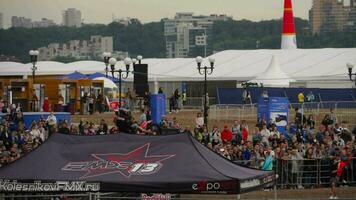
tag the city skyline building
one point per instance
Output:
(22, 22)
(43, 23)
(78, 49)
(332, 15)
(189, 36)
(72, 17)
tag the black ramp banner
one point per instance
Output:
(128, 163)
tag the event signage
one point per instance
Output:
(274, 109)
(136, 162)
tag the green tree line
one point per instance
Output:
(148, 39)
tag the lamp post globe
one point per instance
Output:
(33, 58)
(199, 60)
(127, 61)
(134, 61)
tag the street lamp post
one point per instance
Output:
(350, 67)
(106, 56)
(205, 71)
(123, 74)
(33, 57)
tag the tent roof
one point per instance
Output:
(273, 76)
(135, 163)
(98, 74)
(107, 82)
(244, 65)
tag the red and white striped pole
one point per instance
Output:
(289, 40)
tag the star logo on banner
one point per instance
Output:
(136, 162)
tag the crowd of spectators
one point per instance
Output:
(295, 152)
(301, 153)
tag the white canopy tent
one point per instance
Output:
(237, 65)
(273, 76)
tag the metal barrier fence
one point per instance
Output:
(343, 110)
(306, 173)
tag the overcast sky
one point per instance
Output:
(102, 11)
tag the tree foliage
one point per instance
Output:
(148, 39)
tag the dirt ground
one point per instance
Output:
(323, 193)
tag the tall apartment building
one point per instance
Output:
(1, 21)
(189, 36)
(43, 23)
(72, 17)
(21, 22)
(84, 49)
(332, 15)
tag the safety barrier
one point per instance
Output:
(343, 110)
(306, 173)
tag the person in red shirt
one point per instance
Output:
(45, 105)
(226, 135)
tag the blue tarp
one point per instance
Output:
(75, 76)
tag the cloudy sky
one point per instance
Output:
(102, 11)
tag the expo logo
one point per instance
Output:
(206, 186)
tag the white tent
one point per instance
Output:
(325, 65)
(107, 82)
(273, 76)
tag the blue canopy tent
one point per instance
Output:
(75, 76)
(98, 74)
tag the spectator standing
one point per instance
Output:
(51, 123)
(45, 106)
(301, 97)
(310, 97)
(236, 133)
(160, 90)
(34, 101)
(176, 97)
(84, 103)
(333, 116)
(99, 102)
(244, 96)
(91, 99)
(60, 99)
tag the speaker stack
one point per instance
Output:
(141, 79)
